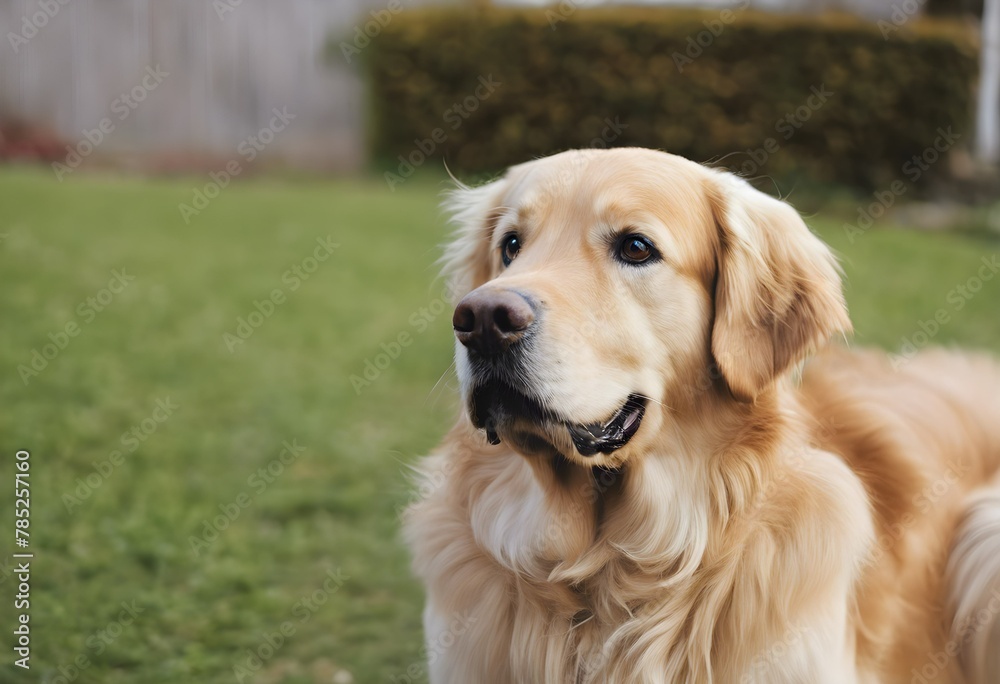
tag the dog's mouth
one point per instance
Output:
(613, 434)
(505, 412)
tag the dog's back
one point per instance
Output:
(923, 434)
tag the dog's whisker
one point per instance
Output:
(447, 370)
(655, 401)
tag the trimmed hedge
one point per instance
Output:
(828, 97)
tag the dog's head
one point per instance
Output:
(599, 289)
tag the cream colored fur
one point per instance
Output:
(755, 529)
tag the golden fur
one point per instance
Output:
(840, 525)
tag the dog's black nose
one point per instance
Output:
(489, 321)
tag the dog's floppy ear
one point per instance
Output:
(474, 213)
(777, 295)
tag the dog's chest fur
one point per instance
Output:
(636, 579)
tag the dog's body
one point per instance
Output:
(728, 523)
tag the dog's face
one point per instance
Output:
(601, 288)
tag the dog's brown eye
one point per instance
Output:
(636, 249)
(509, 248)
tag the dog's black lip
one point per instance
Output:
(607, 437)
(589, 439)
(488, 396)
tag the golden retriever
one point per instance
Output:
(648, 483)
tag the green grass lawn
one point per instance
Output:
(157, 416)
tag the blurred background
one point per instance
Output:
(222, 334)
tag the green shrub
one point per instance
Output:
(712, 86)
